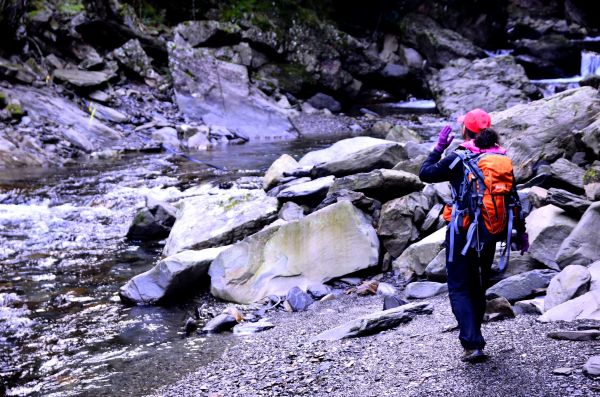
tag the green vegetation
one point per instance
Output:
(148, 13)
(71, 7)
(592, 175)
(262, 12)
(15, 110)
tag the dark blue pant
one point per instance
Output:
(468, 276)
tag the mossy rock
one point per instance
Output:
(592, 175)
(3, 100)
(71, 7)
(15, 110)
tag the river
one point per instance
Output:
(63, 257)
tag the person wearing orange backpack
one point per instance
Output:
(484, 211)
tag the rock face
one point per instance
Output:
(179, 274)
(379, 184)
(425, 289)
(545, 129)
(219, 93)
(329, 243)
(493, 84)
(399, 221)
(221, 219)
(585, 307)
(376, 322)
(439, 45)
(570, 283)
(521, 286)
(417, 256)
(548, 227)
(582, 246)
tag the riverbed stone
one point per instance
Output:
(575, 335)
(152, 223)
(594, 270)
(571, 282)
(547, 228)
(498, 309)
(584, 307)
(332, 242)
(219, 219)
(546, 129)
(298, 300)
(521, 286)
(276, 171)
(248, 328)
(529, 306)
(424, 289)
(380, 184)
(376, 322)
(82, 78)
(572, 204)
(413, 261)
(221, 322)
(308, 192)
(592, 366)
(399, 221)
(582, 246)
(402, 134)
(177, 275)
(344, 148)
(291, 211)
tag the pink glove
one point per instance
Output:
(522, 243)
(444, 139)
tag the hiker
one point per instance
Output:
(470, 244)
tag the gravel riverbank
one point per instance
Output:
(415, 359)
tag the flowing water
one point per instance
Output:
(63, 330)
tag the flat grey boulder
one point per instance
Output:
(545, 130)
(219, 219)
(379, 184)
(568, 173)
(521, 286)
(82, 78)
(571, 282)
(344, 148)
(548, 227)
(574, 335)
(584, 307)
(571, 203)
(582, 246)
(247, 328)
(313, 190)
(381, 156)
(413, 261)
(332, 242)
(177, 275)
(424, 289)
(402, 134)
(399, 221)
(494, 84)
(376, 322)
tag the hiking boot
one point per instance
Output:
(474, 356)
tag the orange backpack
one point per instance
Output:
(486, 202)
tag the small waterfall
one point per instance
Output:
(590, 63)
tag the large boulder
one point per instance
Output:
(152, 223)
(400, 220)
(545, 130)
(220, 93)
(380, 184)
(413, 261)
(177, 275)
(571, 282)
(424, 289)
(585, 307)
(548, 227)
(386, 155)
(344, 148)
(307, 192)
(521, 286)
(494, 84)
(582, 246)
(568, 174)
(83, 78)
(437, 44)
(219, 219)
(571, 203)
(329, 243)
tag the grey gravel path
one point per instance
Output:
(416, 359)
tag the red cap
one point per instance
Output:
(476, 120)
